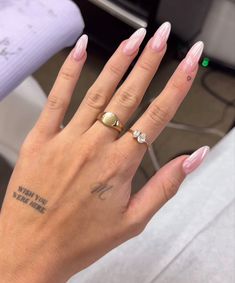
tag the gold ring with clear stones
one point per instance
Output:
(140, 137)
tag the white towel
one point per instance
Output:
(190, 240)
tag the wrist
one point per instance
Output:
(14, 271)
(17, 272)
(17, 267)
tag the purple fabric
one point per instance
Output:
(30, 33)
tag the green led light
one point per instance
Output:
(205, 62)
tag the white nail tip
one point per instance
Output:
(195, 160)
(134, 42)
(164, 29)
(139, 33)
(201, 152)
(80, 47)
(197, 49)
(161, 36)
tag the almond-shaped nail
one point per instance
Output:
(134, 42)
(194, 160)
(161, 36)
(80, 47)
(192, 58)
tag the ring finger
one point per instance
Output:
(164, 107)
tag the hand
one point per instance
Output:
(69, 199)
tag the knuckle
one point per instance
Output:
(146, 65)
(25, 148)
(121, 153)
(95, 98)
(115, 69)
(136, 226)
(54, 102)
(117, 162)
(30, 145)
(178, 85)
(159, 115)
(67, 74)
(87, 150)
(128, 98)
(170, 187)
(125, 168)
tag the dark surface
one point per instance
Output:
(102, 28)
(107, 31)
(5, 174)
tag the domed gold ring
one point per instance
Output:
(110, 120)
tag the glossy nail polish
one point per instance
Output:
(80, 47)
(192, 58)
(161, 36)
(134, 42)
(194, 160)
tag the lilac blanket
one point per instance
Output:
(30, 33)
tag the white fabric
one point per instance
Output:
(191, 239)
(18, 113)
(30, 33)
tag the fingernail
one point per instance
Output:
(80, 47)
(161, 36)
(134, 42)
(194, 160)
(192, 58)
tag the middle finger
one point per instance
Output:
(130, 94)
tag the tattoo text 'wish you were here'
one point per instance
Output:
(31, 199)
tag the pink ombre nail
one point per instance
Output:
(134, 42)
(161, 36)
(194, 160)
(191, 61)
(80, 47)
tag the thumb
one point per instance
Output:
(163, 186)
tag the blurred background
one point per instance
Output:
(208, 112)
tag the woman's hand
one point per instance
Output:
(69, 199)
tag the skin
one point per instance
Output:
(78, 180)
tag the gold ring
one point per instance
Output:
(140, 137)
(110, 120)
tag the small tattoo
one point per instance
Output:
(189, 78)
(101, 189)
(30, 198)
